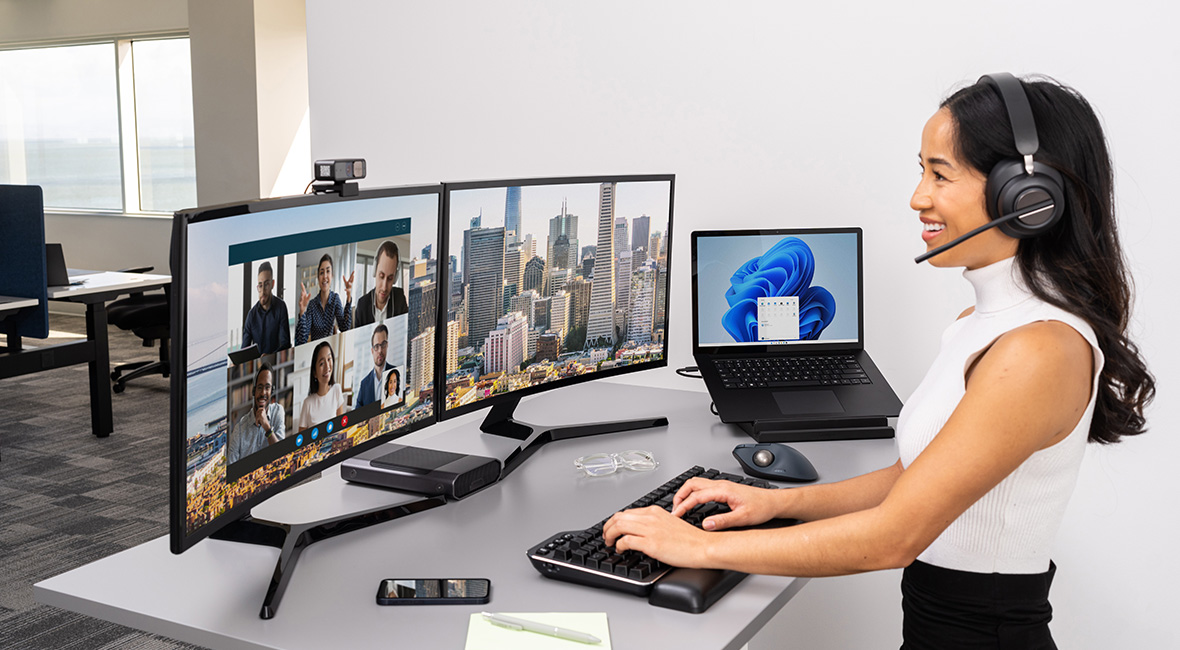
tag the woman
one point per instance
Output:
(393, 389)
(324, 399)
(319, 318)
(992, 440)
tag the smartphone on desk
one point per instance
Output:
(434, 591)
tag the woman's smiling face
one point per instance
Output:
(324, 275)
(950, 201)
(323, 365)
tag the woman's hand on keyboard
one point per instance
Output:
(656, 533)
(749, 506)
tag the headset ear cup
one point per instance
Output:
(1010, 188)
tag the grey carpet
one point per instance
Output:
(68, 498)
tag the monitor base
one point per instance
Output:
(499, 422)
(293, 538)
(805, 431)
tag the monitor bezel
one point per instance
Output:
(180, 538)
(795, 348)
(515, 396)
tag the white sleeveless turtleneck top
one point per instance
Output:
(1011, 529)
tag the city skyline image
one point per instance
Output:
(553, 281)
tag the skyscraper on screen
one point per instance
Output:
(601, 327)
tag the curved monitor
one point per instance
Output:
(550, 282)
(303, 333)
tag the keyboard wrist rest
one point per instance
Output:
(693, 590)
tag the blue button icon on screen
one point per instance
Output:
(329, 427)
(315, 433)
(299, 440)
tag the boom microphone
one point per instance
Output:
(1019, 214)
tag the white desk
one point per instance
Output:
(211, 594)
(96, 288)
(11, 303)
(96, 284)
(11, 307)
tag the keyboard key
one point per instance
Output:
(640, 571)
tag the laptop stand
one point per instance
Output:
(808, 430)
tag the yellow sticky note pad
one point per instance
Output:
(483, 635)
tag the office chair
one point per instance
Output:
(146, 316)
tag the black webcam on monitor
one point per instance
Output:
(339, 172)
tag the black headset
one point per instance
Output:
(1024, 198)
(1018, 184)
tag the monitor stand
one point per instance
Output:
(500, 422)
(293, 538)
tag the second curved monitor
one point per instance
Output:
(549, 282)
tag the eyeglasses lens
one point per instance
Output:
(636, 460)
(597, 464)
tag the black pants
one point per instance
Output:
(945, 608)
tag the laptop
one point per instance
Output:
(56, 274)
(778, 334)
(248, 353)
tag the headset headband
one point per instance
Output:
(1024, 128)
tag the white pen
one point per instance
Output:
(513, 623)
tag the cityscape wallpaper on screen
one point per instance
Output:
(548, 282)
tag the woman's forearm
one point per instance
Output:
(814, 502)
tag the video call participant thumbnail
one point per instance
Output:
(384, 300)
(371, 384)
(319, 316)
(263, 425)
(267, 324)
(393, 388)
(324, 399)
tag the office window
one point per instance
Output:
(102, 127)
(59, 124)
(164, 125)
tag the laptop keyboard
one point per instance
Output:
(791, 372)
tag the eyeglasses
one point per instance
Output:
(602, 464)
(384, 345)
(263, 285)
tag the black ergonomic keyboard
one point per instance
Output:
(789, 372)
(581, 556)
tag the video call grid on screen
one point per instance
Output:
(486, 354)
(718, 258)
(221, 391)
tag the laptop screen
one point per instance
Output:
(776, 288)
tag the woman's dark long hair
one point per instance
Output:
(314, 384)
(1078, 264)
(397, 383)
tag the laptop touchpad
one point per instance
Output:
(808, 401)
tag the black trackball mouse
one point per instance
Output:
(774, 461)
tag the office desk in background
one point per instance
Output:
(96, 289)
(211, 594)
(11, 304)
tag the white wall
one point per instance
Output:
(793, 114)
(249, 62)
